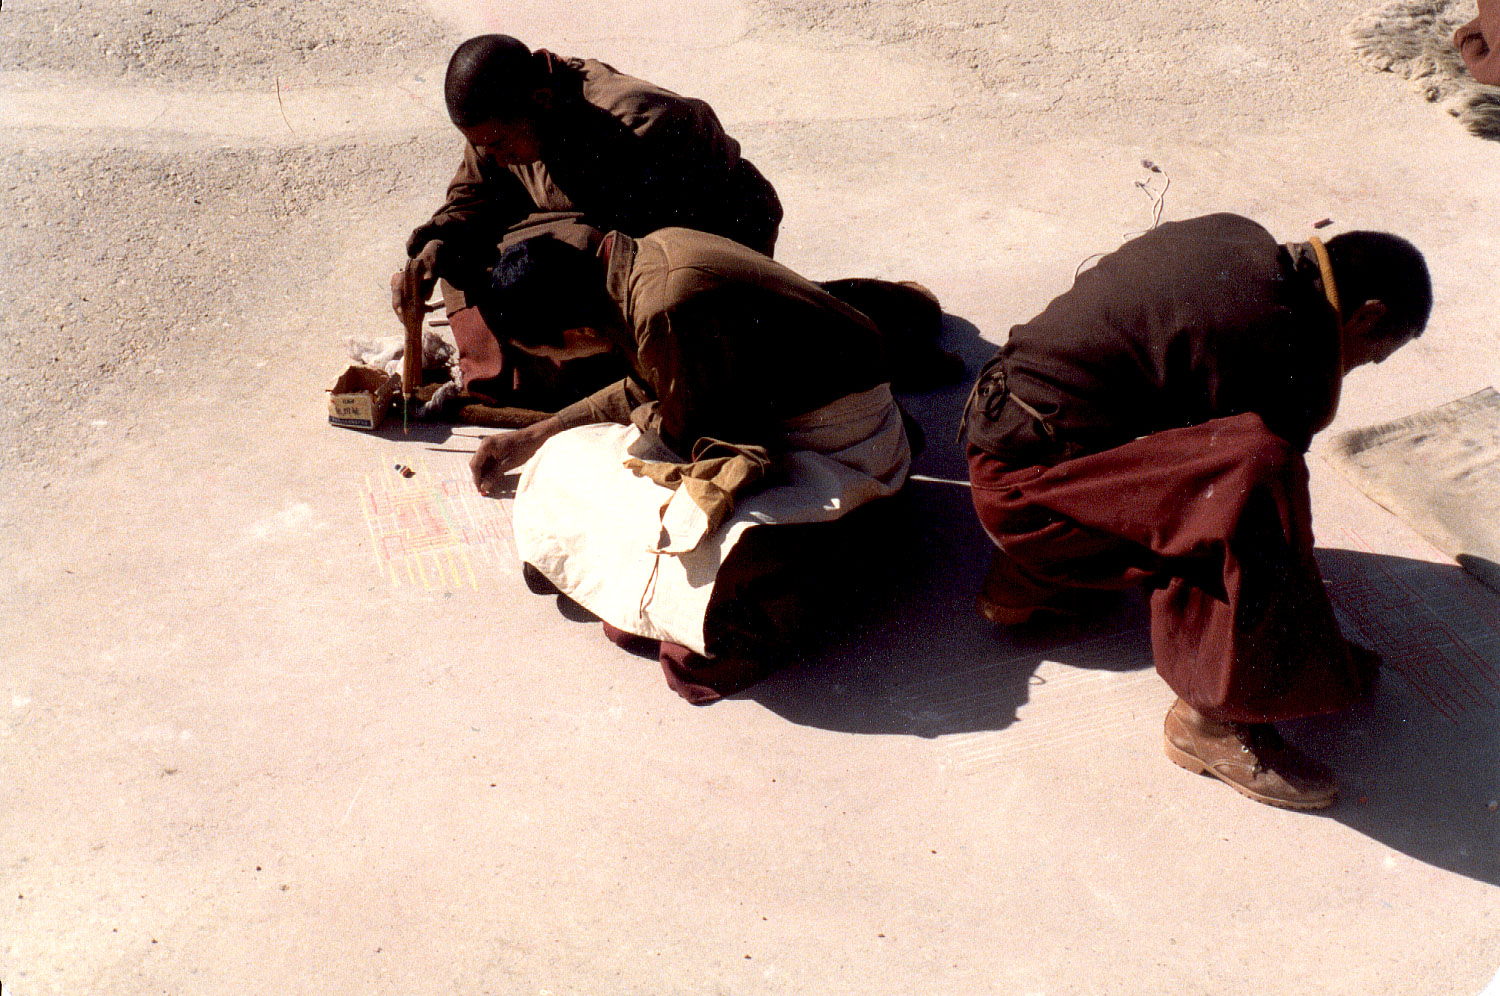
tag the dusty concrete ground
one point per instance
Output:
(250, 740)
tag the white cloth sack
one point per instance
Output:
(592, 526)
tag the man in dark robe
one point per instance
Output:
(1149, 426)
(745, 378)
(566, 145)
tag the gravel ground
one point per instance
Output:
(163, 253)
(1073, 65)
(220, 42)
(129, 271)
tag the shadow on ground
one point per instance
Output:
(923, 662)
(1419, 763)
(921, 631)
(938, 411)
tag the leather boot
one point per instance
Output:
(991, 608)
(1249, 757)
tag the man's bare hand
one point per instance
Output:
(424, 264)
(502, 453)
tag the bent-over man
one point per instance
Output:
(1149, 426)
(552, 141)
(757, 403)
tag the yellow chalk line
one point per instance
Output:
(453, 561)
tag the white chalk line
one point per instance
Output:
(354, 799)
(1097, 649)
(983, 751)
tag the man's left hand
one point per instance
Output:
(425, 267)
(501, 453)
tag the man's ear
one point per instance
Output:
(1364, 319)
(542, 98)
(1358, 334)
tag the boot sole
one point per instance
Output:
(1002, 615)
(1006, 615)
(1183, 759)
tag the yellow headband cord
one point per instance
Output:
(1325, 268)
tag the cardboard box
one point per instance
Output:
(361, 397)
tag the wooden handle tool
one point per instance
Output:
(412, 316)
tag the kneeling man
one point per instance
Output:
(757, 404)
(1149, 426)
(562, 145)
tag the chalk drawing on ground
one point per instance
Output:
(433, 529)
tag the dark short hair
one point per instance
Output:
(539, 287)
(1379, 266)
(489, 77)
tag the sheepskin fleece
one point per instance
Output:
(1414, 39)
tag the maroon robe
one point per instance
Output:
(1148, 428)
(1214, 519)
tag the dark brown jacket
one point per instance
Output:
(624, 155)
(1196, 320)
(727, 342)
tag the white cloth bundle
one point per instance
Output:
(592, 526)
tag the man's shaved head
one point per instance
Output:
(489, 77)
(1379, 266)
